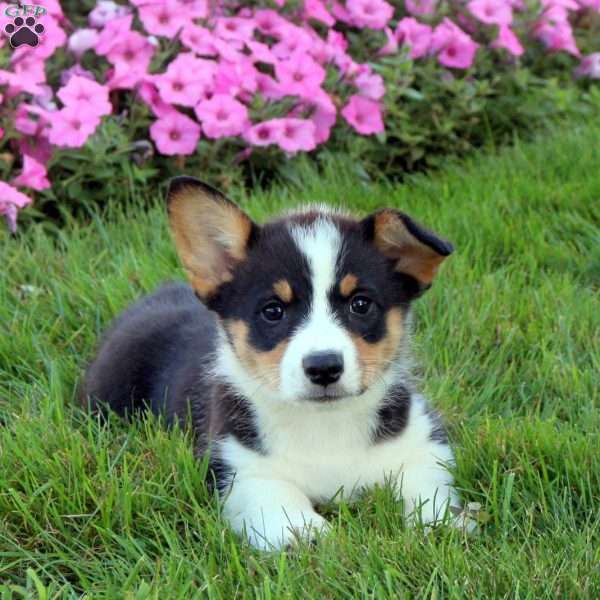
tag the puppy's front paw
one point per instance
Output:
(279, 531)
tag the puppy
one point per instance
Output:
(289, 353)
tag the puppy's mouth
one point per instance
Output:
(329, 394)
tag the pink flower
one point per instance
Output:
(72, 126)
(364, 115)
(263, 134)
(294, 40)
(374, 14)
(82, 40)
(75, 70)
(269, 22)
(590, 66)
(175, 134)
(233, 77)
(104, 12)
(186, 80)
(113, 34)
(421, 7)
(261, 53)
(391, 44)
(415, 35)
(268, 87)
(199, 39)
(315, 9)
(222, 116)
(195, 9)
(508, 40)
(557, 35)
(131, 57)
(163, 18)
(491, 12)
(295, 135)
(34, 175)
(370, 85)
(300, 75)
(91, 95)
(149, 94)
(456, 49)
(10, 200)
(234, 28)
(323, 115)
(30, 119)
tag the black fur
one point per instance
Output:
(392, 417)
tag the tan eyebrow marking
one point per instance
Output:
(284, 290)
(348, 284)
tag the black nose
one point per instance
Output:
(323, 368)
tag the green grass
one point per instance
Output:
(508, 340)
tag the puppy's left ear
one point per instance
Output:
(417, 251)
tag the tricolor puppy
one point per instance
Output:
(289, 352)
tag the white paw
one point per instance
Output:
(275, 532)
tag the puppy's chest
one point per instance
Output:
(320, 453)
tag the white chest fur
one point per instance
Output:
(313, 454)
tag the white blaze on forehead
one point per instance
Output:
(321, 243)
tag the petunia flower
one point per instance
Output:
(415, 35)
(33, 175)
(374, 14)
(315, 9)
(185, 80)
(222, 116)
(420, 8)
(175, 134)
(85, 92)
(11, 200)
(455, 48)
(508, 40)
(370, 85)
(72, 126)
(234, 28)
(364, 115)
(106, 11)
(165, 18)
(294, 135)
(589, 66)
(264, 133)
(491, 12)
(300, 75)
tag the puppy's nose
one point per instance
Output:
(323, 368)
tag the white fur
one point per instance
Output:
(321, 244)
(317, 451)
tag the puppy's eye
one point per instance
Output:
(273, 311)
(361, 305)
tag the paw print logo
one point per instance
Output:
(24, 32)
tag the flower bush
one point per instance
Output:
(113, 90)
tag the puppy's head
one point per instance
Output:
(313, 305)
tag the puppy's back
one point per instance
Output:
(153, 356)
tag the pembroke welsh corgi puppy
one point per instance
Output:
(289, 351)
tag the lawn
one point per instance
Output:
(508, 341)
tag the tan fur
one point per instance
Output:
(414, 258)
(211, 237)
(375, 358)
(348, 284)
(263, 365)
(283, 289)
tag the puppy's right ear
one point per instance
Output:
(211, 233)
